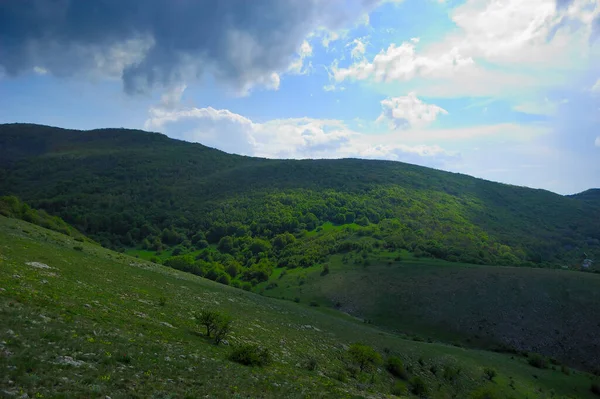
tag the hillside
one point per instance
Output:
(90, 322)
(135, 189)
(548, 311)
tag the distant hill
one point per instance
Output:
(589, 195)
(128, 188)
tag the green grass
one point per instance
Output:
(92, 324)
(480, 306)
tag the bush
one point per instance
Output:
(247, 287)
(395, 367)
(215, 323)
(490, 373)
(314, 303)
(364, 356)
(537, 361)
(451, 373)
(399, 389)
(78, 248)
(418, 387)
(310, 363)
(222, 329)
(595, 388)
(162, 301)
(251, 355)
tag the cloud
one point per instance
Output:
(152, 43)
(297, 138)
(401, 63)
(297, 66)
(543, 107)
(359, 49)
(497, 49)
(597, 142)
(596, 87)
(408, 112)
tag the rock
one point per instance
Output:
(164, 323)
(87, 305)
(38, 265)
(45, 318)
(2, 289)
(44, 281)
(68, 360)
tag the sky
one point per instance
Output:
(506, 90)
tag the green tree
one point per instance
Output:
(364, 356)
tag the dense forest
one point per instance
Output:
(232, 217)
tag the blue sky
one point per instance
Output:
(504, 90)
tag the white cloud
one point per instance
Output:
(596, 87)
(333, 88)
(39, 70)
(285, 138)
(597, 142)
(500, 48)
(409, 112)
(401, 63)
(298, 67)
(359, 49)
(543, 107)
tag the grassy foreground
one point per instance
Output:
(89, 322)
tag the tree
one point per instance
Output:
(259, 245)
(226, 245)
(364, 356)
(209, 319)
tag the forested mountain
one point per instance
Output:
(127, 188)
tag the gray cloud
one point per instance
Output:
(159, 42)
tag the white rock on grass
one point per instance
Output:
(38, 265)
(68, 360)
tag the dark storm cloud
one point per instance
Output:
(154, 42)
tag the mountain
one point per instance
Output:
(88, 322)
(127, 188)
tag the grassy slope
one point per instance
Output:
(95, 306)
(554, 312)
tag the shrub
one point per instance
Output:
(565, 370)
(490, 373)
(222, 329)
(247, 287)
(79, 239)
(399, 389)
(451, 373)
(418, 387)
(314, 303)
(297, 300)
(162, 301)
(595, 388)
(251, 355)
(78, 248)
(310, 363)
(537, 361)
(364, 356)
(395, 367)
(325, 270)
(223, 279)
